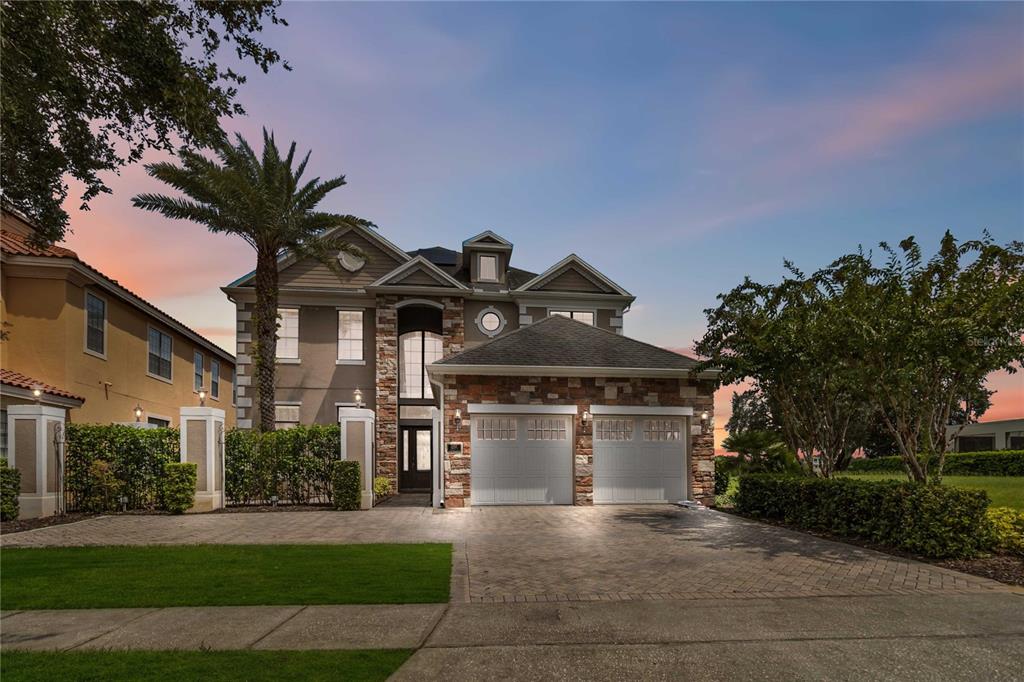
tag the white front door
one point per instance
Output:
(521, 459)
(639, 459)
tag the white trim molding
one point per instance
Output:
(492, 408)
(436, 369)
(582, 266)
(419, 301)
(443, 278)
(502, 322)
(639, 410)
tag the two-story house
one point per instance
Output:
(458, 374)
(76, 338)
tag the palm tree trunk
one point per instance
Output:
(264, 321)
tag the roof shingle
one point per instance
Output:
(19, 380)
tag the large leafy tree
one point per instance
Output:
(262, 199)
(87, 87)
(751, 411)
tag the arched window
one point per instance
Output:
(417, 350)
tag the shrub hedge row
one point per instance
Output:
(292, 465)
(179, 488)
(10, 486)
(1007, 527)
(997, 463)
(105, 462)
(934, 521)
(345, 481)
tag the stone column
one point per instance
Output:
(31, 448)
(387, 389)
(202, 443)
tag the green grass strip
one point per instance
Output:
(209, 666)
(223, 575)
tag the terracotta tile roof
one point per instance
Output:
(16, 245)
(19, 380)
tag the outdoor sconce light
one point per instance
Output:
(704, 422)
(458, 419)
(357, 395)
(138, 412)
(37, 391)
(586, 419)
(202, 397)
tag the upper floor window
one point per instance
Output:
(487, 268)
(157, 421)
(95, 324)
(286, 416)
(350, 335)
(418, 349)
(215, 379)
(197, 363)
(159, 354)
(584, 316)
(288, 333)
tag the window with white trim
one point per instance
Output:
(487, 268)
(286, 416)
(288, 333)
(662, 429)
(418, 349)
(197, 364)
(350, 335)
(215, 378)
(495, 428)
(160, 349)
(95, 324)
(157, 421)
(613, 429)
(584, 316)
(545, 428)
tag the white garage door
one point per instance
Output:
(521, 460)
(639, 459)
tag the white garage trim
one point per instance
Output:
(640, 411)
(480, 408)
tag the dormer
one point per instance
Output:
(486, 257)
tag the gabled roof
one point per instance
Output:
(489, 239)
(559, 346)
(438, 255)
(572, 261)
(418, 264)
(19, 380)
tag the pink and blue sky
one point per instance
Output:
(677, 147)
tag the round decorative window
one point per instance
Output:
(351, 261)
(490, 321)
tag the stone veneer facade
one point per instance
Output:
(460, 391)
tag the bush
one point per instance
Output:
(934, 521)
(382, 487)
(179, 487)
(293, 465)
(721, 476)
(1007, 529)
(345, 480)
(997, 463)
(104, 462)
(10, 487)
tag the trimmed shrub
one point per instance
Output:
(179, 487)
(721, 476)
(934, 521)
(105, 462)
(292, 465)
(345, 480)
(382, 487)
(10, 486)
(1007, 528)
(997, 463)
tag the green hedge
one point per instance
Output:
(1007, 527)
(345, 480)
(179, 487)
(934, 521)
(291, 465)
(105, 462)
(997, 463)
(10, 486)
(721, 476)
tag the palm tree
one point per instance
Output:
(261, 201)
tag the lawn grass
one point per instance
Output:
(210, 666)
(1004, 491)
(223, 575)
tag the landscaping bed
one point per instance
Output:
(201, 665)
(223, 575)
(21, 525)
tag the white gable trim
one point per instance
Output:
(419, 261)
(502, 243)
(585, 268)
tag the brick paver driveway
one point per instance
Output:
(564, 553)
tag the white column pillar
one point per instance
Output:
(202, 443)
(31, 432)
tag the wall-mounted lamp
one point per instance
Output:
(357, 396)
(704, 422)
(458, 419)
(202, 397)
(37, 391)
(138, 412)
(586, 419)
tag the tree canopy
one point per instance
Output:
(88, 87)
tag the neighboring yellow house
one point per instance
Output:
(74, 330)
